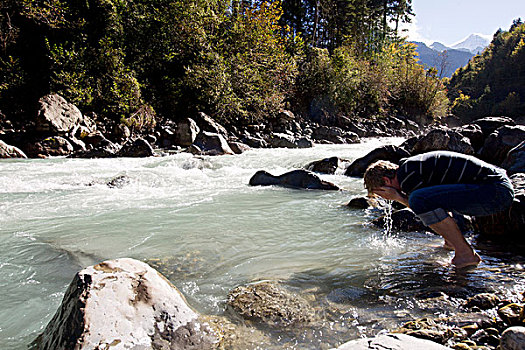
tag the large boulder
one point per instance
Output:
(442, 139)
(515, 161)
(388, 152)
(509, 223)
(136, 148)
(238, 147)
(392, 342)
(212, 144)
(125, 304)
(186, 132)
(489, 124)
(293, 179)
(270, 304)
(206, 123)
(57, 116)
(51, 146)
(7, 151)
(500, 142)
(473, 133)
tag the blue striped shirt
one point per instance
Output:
(444, 168)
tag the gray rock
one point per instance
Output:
(473, 133)
(255, 142)
(304, 142)
(238, 147)
(392, 342)
(442, 139)
(500, 142)
(389, 152)
(513, 338)
(7, 151)
(515, 161)
(489, 124)
(270, 304)
(278, 140)
(293, 179)
(136, 148)
(186, 132)
(57, 116)
(212, 144)
(206, 123)
(125, 302)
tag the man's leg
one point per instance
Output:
(464, 254)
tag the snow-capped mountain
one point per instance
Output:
(474, 43)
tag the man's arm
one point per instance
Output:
(391, 193)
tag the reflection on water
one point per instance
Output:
(197, 221)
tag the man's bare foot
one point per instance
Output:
(467, 260)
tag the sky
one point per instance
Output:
(451, 21)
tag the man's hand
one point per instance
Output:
(391, 193)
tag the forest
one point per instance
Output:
(141, 62)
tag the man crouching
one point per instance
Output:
(435, 183)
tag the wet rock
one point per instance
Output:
(427, 328)
(508, 223)
(293, 179)
(402, 220)
(324, 166)
(7, 151)
(473, 133)
(484, 301)
(515, 160)
(513, 338)
(103, 149)
(270, 304)
(489, 124)
(186, 132)
(359, 203)
(442, 139)
(238, 147)
(512, 314)
(51, 146)
(392, 342)
(212, 144)
(487, 337)
(125, 302)
(389, 152)
(333, 134)
(136, 148)
(500, 142)
(56, 115)
(304, 142)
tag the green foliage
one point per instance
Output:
(493, 83)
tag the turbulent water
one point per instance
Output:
(198, 221)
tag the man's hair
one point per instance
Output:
(375, 172)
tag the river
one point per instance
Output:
(197, 218)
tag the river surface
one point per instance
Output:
(198, 221)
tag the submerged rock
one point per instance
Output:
(293, 179)
(392, 342)
(270, 304)
(484, 301)
(128, 304)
